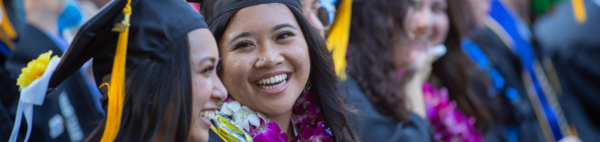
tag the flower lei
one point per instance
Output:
(235, 122)
(449, 123)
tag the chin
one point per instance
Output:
(280, 105)
(197, 134)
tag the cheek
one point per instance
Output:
(235, 70)
(441, 26)
(201, 88)
(300, 57)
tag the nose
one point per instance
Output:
(219, 92)
(422, 22)
(268, 56)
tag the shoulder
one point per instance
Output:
(373, 126)
(214, 137)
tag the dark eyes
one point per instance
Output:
(284, 35)
(207, 70)
(243, 44)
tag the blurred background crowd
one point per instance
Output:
(492, 70)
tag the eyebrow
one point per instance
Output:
(242, 35)
(212, 59)
(282, 26)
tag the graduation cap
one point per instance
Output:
(215, 9)
(122, 34)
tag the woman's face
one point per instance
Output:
(207, 89)
(481, 10)
(309, 9)
(265, 61)
(427, 25)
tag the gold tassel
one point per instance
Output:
(579, 11)
(7, 30)
(337, 42)
(117, 81)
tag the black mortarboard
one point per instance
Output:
(154, 23)
(214, 9)
(122, 34)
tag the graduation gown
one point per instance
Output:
(375, 127)
(520, 110)
(574, 49)
(67, 114)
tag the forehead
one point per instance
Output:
(261, 17)
(202, 42)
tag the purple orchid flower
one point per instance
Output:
(448, 122)
(270, 133)
(319, 134)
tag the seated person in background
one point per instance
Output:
(375, 52)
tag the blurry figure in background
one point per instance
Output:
(8, 38)
(70, 112)
(500, 45)
(569, 39)
(374, 55)
(475, 110)
(541, 7)
(8, 33)
(310, 9)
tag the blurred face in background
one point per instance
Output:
(310, 8)
(48, 7)
(427, 26)
(480, 11)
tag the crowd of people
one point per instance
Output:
(300, 70)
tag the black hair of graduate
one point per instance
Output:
(467, 84)
(376, 32)
(322, 74)
(159, 109)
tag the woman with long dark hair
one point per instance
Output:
(373, 88)
(155, 62)
(466, 96)
(278, 72)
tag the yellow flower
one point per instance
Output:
(35, 69)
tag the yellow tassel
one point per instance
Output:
(6, 26)
(579, 11)
(339, 34)
(116, 94)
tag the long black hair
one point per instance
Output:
(467, 84)
(157, 102)
(376, 33)
(322, 74)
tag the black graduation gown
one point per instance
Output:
(214, 137)
(575, 52)
(72, 100)
(375, 127)
(520, 111)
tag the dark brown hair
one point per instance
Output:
(159, 108)
(467, 84)
(322, 75)
(376, 32)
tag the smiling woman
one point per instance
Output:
(159, 77)
(277, 69)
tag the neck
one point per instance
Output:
(283, 121)
(43, 21)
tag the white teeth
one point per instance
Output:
(273, 86)
(207, 115)
(273, 79)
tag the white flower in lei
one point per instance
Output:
(242, 116)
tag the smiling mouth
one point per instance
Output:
(273, 81)
(208, 114)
